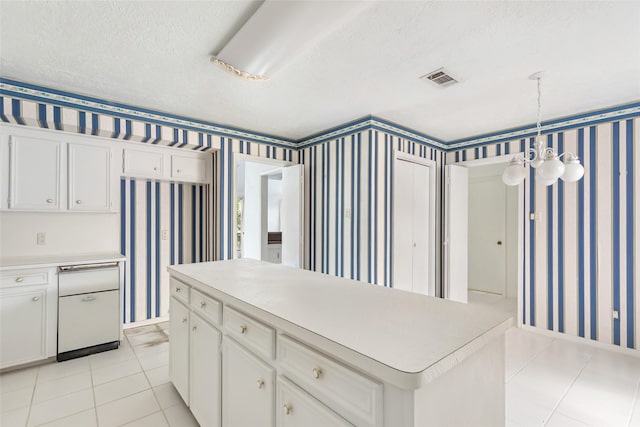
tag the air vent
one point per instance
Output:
(440, 78)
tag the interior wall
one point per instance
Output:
(274, 200)
(348, 204)
(252, 243)
(583, 249)
(511, 241)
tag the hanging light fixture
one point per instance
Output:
(543, 159)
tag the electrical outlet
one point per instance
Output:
(616, 314)
(164, 235)
(347, 213)
(41, 238)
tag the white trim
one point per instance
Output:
(145, 322)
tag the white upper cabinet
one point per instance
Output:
(139, 163)
(193, 169)
(35, 174)
(89, 178)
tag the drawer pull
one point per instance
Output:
(260, 383)
(19, 279)
(178, 289)
(243, 329)
(316, 373)
(89, 298)
(195, 328)
(49, 200)
(287, 409)
(184, 319)
(78, 202)
(155, 168)
(203, 304)
(178, 170)
(35, 299)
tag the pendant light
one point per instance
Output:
(543, 159)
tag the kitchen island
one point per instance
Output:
(254, 343)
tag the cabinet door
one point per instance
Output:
(188, 169)
(22, 326)
(89, 178)
(143, 164)
(204, 366)
(299, 409)
(35, 166)
(179, 348)
(247, 388)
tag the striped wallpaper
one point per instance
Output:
(582, 254)
(349, 200)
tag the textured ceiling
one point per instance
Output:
(156, 55)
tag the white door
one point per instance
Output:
(179, 348)
(487, 234)
(89, 178)
(411, 227)
(291, 215)
(248, 388)
(22, 326)
(456, 236)
(204, 376)
(35, 174)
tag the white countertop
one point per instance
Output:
(411, 333)
(42, 261)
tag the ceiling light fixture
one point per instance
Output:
(545, 160)
(279, 31)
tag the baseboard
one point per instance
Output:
(579, 340)
(145, 322)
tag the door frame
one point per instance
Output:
(238, 157)
(505, 159)
(432, 166)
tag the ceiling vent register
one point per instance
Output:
(440, 78)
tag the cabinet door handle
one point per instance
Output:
(35, 299)
(78, 202)
(177, 170)
(260, 383)
(203, 304)
(195, 328)
(19, 279)
(155, 168)
(49, 200)
(178, 289)
(184, 319)
(89, 298)
(316, 373)
(243, 329)
(287, 409)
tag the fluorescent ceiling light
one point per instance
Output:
(279, 31)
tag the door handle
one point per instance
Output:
(499, 242)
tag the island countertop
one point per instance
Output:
(409, 338)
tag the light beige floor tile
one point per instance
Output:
(61, 407)
(156, 419)
(153, 361)
(82, 419)
(57, 370)
(115, 371)
(167, 395)
(158, 376)
(180, 416)
(111, 357)
(559, 420)
(16, 417)
(522, 347)
(15, 380)
(127, 409)
(61, 386)
(120, 388)
(140, 330)
(16, 399)
(149, 350)
(147, 338)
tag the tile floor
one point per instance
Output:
(551, 382)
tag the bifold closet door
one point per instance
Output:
(420, 228)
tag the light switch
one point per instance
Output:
(616, 314)
(347, 213)
(41, 238)
(164, 235)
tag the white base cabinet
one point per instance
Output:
(204, 367)
(179, 348)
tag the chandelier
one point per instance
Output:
(543, 159)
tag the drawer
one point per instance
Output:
(249, 332)
(206, 306)
(350, 394)
(24, 278)
(296, 408)
(179, 290)
(85, 281)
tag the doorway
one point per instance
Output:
(484, 261)
(268, 210)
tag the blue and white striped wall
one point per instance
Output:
(349, 200)
(583, 254)
(161, 224)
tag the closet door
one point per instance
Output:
(420, 229)
(403, 226)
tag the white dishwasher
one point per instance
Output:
(88, 309)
